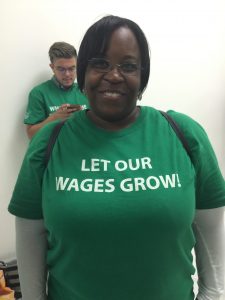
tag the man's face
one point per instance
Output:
(64, 70)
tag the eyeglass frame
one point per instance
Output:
(112, 66)
(63, 70)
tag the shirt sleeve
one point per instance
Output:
(209, 182)
(26, 201)
(36, 110)
(209, 232)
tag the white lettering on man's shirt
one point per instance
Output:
(53, 108)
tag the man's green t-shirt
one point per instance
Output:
(47, 97)
(118, 206)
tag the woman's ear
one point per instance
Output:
(139, 96)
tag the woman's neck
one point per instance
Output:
(114, 125)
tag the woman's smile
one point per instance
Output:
(112, 94)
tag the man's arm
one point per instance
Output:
(62, 113)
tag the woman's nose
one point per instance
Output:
(114, 74)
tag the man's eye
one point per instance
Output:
(60, 69)
(72, 69)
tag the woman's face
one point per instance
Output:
(113, 92)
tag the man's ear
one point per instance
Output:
(51, 66)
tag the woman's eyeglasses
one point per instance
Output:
(102, 65)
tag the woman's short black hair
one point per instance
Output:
(95, 43)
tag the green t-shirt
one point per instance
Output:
(119, 206)
(47, 97)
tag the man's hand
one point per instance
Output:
(63, 112)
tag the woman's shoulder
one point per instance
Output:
(191, 129)
(40, 140)
(181, 119)
(195, 135)
(189, 126)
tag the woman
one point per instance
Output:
(118, 197)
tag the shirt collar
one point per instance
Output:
(55, 81)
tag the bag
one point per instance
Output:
(5, 292)
(178, 132)
(52, 141)
(11, 276)
(171, 121)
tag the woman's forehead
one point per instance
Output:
(124, 42)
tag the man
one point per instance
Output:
(56, 98)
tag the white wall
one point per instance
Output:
(187, 40)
